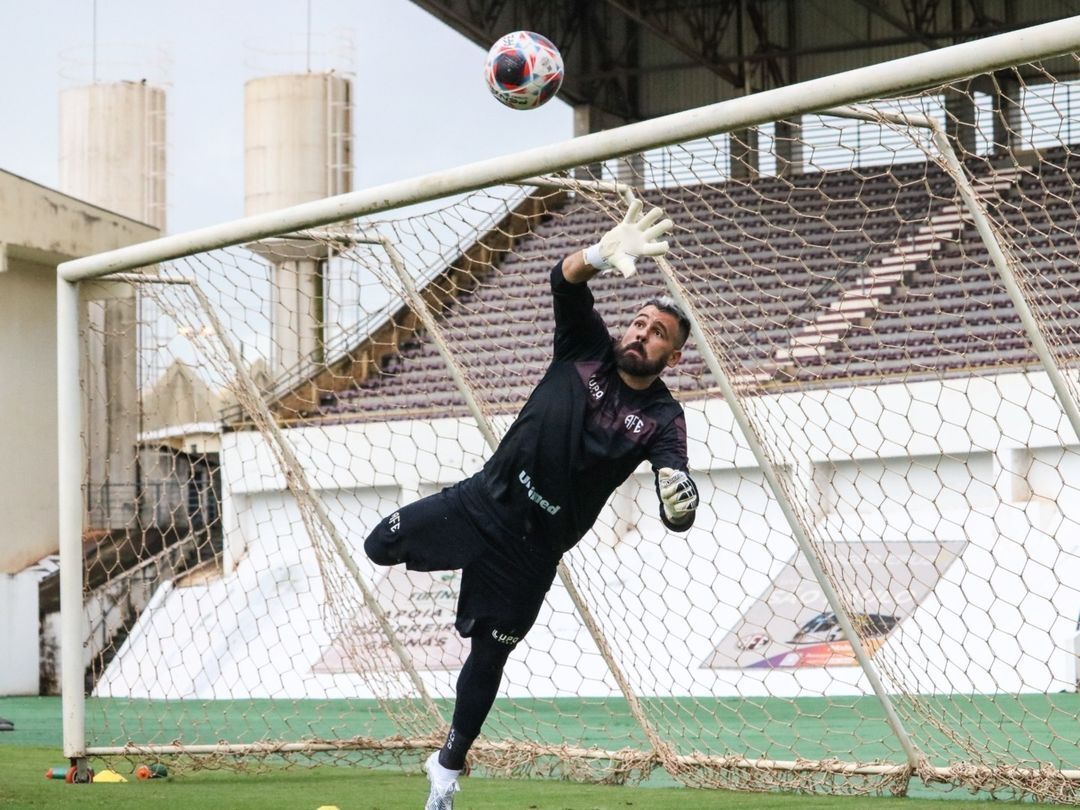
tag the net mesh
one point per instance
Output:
(284, 396)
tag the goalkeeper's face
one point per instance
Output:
(649, 344)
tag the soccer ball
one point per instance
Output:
(523, 70)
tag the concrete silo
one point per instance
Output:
(297, 148)
(112, 148)
(112, 154)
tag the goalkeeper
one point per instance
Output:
(599, 411)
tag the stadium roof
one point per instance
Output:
(637, 59)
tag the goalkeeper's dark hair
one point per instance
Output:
(666, 303)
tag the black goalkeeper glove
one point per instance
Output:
(678, 494)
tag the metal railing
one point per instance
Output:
(167, 505)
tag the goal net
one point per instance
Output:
(880, 589)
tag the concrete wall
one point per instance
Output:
(39, 228)
(27, 443)
(967, 484)
(19, 636)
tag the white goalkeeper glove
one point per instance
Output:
(635, 236)
(678, 494)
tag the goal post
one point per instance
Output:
(882, 417)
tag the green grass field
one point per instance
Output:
(34, 746)
(357, 789)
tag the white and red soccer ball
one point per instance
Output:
(524, 70)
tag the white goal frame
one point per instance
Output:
(827, 93)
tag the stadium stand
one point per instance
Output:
(822, 276)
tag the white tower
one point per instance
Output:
(112, 154)
(112, 148)
(297, 148)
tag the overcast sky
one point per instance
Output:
(420, 100)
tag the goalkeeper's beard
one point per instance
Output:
(637, 364)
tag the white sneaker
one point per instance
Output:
(441, 795)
